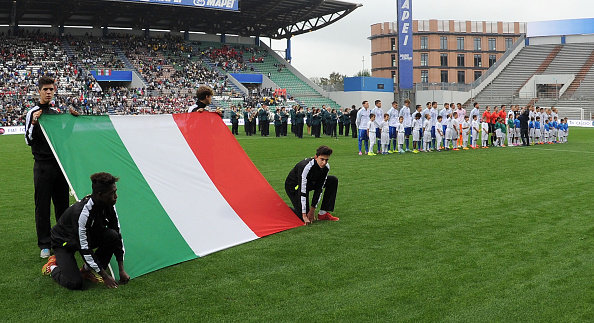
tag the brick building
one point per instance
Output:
(444, 51)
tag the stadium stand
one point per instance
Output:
(171, 69)
(574, 59)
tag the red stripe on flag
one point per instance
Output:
(234, 174)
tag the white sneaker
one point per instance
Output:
(45, 253)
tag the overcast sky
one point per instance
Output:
(341, 46)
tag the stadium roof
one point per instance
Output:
(265, 18)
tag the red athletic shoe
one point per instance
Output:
(45, 270)
(327, 216)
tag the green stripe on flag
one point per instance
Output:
(155, 242)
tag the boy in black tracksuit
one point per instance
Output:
(50, 184)
(91, 223)
(311, 174)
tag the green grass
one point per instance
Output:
(493, 235)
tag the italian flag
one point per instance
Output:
(103, 72)
(186, 187)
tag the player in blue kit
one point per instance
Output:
(407, 122)
(547, 130)
(379, 112)
(393, 123)
(537, 134)
(362, 123)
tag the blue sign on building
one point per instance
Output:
(232, 5)
(368, 84)
(560, 27)
(405, 45)
(112, 76)
(248, 78)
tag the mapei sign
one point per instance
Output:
(405, 47)
(218, 4)
(232, 5)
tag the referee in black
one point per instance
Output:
(311, 174)
(50, 184)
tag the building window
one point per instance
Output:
(424, 76)
(476, 26)
(380, 86)
(491, 28)
(460, 60)
(509, 42)
(478, 60)
(522, 28)
(461, 77)
(444, 77)
(460, 26)
(460, 42)
(477, 75)
(424, 59)
(394, 76)
(424, 42)
(443, 59)
(393, 60)
(443, 25)
(508, 28)
(492, 44)
(393, 43)
(477, 43)
(443, 42)
(424, 25)
(492, 60)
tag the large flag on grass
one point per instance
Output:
(186, 186)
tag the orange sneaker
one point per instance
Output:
(46, 269)
(327, 216)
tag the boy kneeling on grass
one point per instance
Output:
(311, 174)
(91, 223)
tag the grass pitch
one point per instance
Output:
(504, 234)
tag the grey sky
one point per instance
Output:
(341, 46)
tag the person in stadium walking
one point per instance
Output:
(49, 181)
(311, 174)
(92, 223)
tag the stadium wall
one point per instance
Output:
(545, 40)
(579, 39)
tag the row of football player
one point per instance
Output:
(453, 135)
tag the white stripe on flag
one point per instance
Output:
(196, 207)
